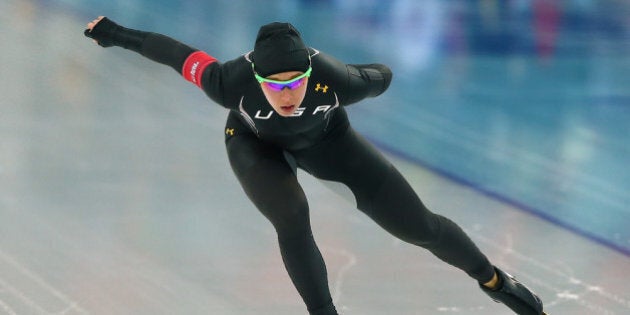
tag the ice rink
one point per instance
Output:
(116, 196)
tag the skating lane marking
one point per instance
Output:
(21, 296)
(351, 261)
(71, 305)
(5, 307)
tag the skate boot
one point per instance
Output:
(514, 295)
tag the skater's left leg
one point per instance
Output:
(396, 207)
(384, 195)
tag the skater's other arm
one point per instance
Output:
(369, 80)
(188, 61)
(354, 82)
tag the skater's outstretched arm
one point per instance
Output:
(157, 47)
(188, 61)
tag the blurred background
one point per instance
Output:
(525, 103)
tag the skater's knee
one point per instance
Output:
(396, 207)
(424, 237)
(290, 217)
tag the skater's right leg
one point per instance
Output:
(272, 185)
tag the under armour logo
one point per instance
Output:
(319, 87)
(229, 131)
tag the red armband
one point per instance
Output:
(194, 66)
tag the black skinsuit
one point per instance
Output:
(264, 147)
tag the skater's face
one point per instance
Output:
(285, 91)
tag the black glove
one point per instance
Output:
(104, 32)
(107, 33)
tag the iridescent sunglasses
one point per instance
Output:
(277, 86)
